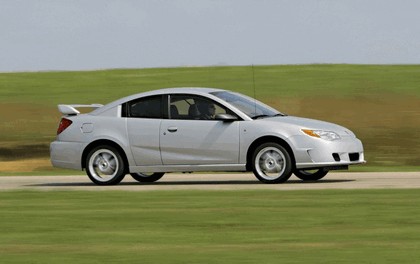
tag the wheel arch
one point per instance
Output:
(267, 139)
(105, 142)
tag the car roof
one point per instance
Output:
(175, 90)
(186, 90)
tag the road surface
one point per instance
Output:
(240, 181)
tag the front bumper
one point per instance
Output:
(66, 155)
(318, 153)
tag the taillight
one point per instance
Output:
(64, 123)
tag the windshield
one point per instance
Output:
(251, 107)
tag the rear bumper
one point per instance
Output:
(66, 155)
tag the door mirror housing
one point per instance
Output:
(226, 117)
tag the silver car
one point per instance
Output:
(198, 129)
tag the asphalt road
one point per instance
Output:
(244, 181)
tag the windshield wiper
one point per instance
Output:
(259, 116)
(262, 116)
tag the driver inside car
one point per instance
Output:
(207, 110)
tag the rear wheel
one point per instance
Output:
(147, 177)
(105, 165)
(310, 175)
(271, 163)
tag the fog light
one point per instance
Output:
(336, 156)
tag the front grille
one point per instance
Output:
(336, 157)
(354, 156)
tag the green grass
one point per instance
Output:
(275, 80)
(381, 103)
(50, 88)
(370, 226)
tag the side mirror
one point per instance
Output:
(225, 117)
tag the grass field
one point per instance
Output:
(371, 226)
(380, 103)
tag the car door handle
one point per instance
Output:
(172, 129)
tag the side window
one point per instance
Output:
(195, 108)
(148, 107)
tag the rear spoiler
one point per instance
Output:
(71, 109)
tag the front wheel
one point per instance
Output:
(147, 177)
(310, 175)
(105, 166)
(271, 163)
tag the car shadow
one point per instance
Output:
(185, 183)
(227, 182)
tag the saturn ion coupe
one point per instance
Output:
(198, 129)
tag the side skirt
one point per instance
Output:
(188, 168)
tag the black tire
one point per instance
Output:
(105, 166)
(145, 177)
(310, 175)
(271, 163)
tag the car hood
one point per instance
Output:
(307, 123)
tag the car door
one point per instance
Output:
(144, 117)
(189, 137)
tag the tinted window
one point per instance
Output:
(194, 107)
(149, 107)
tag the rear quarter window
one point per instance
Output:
(148, 107)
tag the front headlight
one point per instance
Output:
(327, 135)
